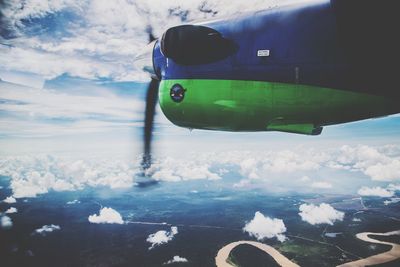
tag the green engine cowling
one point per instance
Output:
(232, 105)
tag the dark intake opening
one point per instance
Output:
(194, 45)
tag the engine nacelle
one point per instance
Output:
(283, 69)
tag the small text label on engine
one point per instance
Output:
(263, 53)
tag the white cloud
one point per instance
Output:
(22, 78)
(39, 174)
(45, 229)
(248, 168)
(388, 171)
(242, 183)
(176, 259)
(392, 201)
(375, 191)
(6, 222)
(173, 170)
(107, 39)
(266, 165)
(372, 162)
(107, 215)
(394, 187)
(48, 112)
(11, 210)
(262, 227)
(290, 161)
(53, 64)
(32, 175)
(321, 185)
(322, 214)
(161, 237)
(32, 184)
(10, 200)
(259, 166)
(75, 201)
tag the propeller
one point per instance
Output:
(151, 101)
(208, 45)
(145, 61)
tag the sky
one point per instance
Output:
(72, 101)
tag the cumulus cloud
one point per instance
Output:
(46, 229)
(11, 210)
(290, 161)
(322, 214)
(5, 222)
(40, 174)
(258, 166)
(262, 227)
(161, 237)
(384, 171)
(375, 192)
(106, 215)
(10, 200)
(168, 170)
(321, 185)
(248, 168)
(369, 160)
(34, 175)
(176, 259)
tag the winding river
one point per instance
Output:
(223, 254)
(392, 254)
(387, 256)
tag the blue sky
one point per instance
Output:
(70, 90)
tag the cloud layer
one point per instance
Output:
(322, 214)
(31, 112)
(106, 215)
(96, 38)
(321, 185)
(35, 175)
(262, 227)
(39, 174)
(374, 163)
